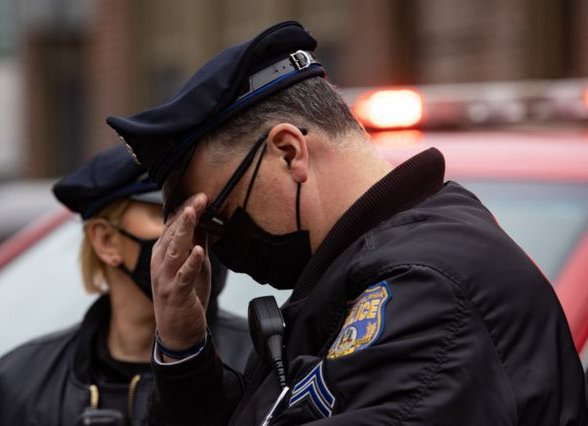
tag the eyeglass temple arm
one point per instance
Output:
(212, 209)
(236, 177)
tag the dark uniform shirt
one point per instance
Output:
(417, 309)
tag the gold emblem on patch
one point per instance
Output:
(364, 323)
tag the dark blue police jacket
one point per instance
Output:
(417, 309)
(47, 382)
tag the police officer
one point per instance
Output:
(99, 372)
(410, 305)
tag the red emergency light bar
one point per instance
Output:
(470, 104)
(389, 108)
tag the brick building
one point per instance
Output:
(85, 59)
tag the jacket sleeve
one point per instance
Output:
(200, 391)
(432, 361)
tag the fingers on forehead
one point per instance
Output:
(193, 207)
(171, 228)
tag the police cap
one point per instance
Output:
(109, 176)
(233, 80)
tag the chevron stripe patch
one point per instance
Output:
(314, 387)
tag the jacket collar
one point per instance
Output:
(97, 316)
(404, 187)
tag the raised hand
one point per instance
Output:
(180, 277)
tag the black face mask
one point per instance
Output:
(267, 258)
(141, 275)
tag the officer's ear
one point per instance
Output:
(289, 143)
(105, 241)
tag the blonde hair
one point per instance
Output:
(93, 268)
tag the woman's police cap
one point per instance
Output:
(109, 176)
(233, 80)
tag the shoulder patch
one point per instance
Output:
(364, 323)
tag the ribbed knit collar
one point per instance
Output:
(404, 187)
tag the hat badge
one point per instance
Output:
(130, 150)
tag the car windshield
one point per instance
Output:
(545, 219)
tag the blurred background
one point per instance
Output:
(67, 64)
(501, 87)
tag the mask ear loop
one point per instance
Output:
(127, 234)
(132, 237)
(250, 187)
(298, 226)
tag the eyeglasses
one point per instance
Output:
(210, 220)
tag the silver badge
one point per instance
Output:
(129, 149)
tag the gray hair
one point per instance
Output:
(311, 103)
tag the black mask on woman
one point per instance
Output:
(141, 274)
(267, 258)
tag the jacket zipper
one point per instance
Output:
(94, 396)
(132, 391)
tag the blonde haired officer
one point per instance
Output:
(99, 371)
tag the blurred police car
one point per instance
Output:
(21, 202)
(521, 147)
